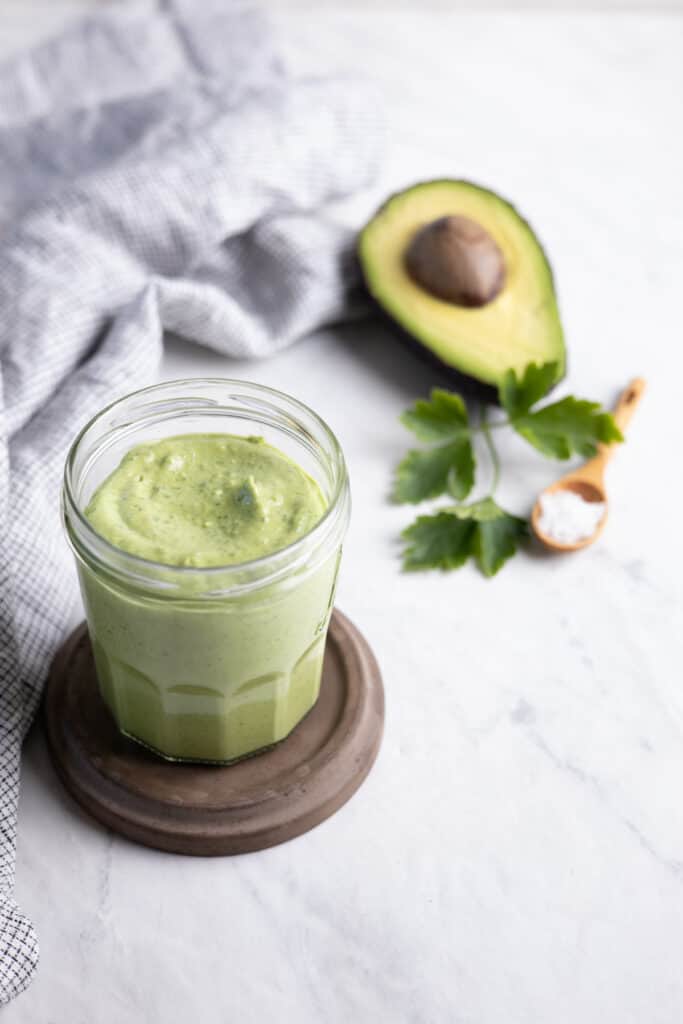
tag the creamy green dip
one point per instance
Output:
(205, 500)
(191, 673)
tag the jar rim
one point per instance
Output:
(282, 561)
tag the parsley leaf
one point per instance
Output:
(497, 535)
(569, 426)
(461, 475)
(441, 541)
(560, 429)
(429, 472)
(442, 417)
(446, 539)
(517, 395)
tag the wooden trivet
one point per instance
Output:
(209, 810)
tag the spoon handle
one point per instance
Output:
(624, 409)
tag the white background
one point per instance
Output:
(517, 853)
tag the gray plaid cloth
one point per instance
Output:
(158, 171)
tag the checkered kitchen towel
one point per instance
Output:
(158, 170)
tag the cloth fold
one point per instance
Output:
(159, 172)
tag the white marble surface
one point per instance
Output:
(517, 853)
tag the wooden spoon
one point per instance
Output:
(588, 480)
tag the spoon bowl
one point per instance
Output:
(588, 481)
(588, 492)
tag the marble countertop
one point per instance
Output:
(516, 854)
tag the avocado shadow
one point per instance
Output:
(385, 354)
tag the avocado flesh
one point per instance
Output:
(521, 325)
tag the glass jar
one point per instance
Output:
(207, 664)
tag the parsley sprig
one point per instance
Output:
(446, 465)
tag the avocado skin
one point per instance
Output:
(468, 385)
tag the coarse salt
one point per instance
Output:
(568, 518)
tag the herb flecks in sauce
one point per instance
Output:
(205, 500)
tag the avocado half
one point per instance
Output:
(464, 277)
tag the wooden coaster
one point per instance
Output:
(210, 810)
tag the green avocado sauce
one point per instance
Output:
(205, 500)
(208, 678)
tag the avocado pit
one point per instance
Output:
(457, 260)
